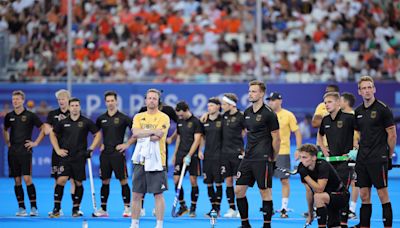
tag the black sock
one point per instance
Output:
(218, 197)
(181, 197)
(194, 196)
(243, 207)
(32, 195)
(344, 216)
(322, 213)
(19, 193)
(78, 196)
(365, 215)
(267, 212)
(104, 193)
(126, 194)
(73, 197)
(230, 195)
(387, 214)
(58, 194)
(211, 195)
(143, 200)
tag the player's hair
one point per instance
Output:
(152, 90)
(214, 100)
(349, 97)
(182, 106)
(231, 96)
(309, 148)
(331, 88)
(74, 99)
(260, 84)
(335, 95)
(19, 93)
(110, 93)
(366, 79)
(61, 92)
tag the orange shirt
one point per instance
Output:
(81, 53)
(175, 23)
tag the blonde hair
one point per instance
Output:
(366, 79)
(261, 84)
(335, 95)
(19, 93)
(63, 91)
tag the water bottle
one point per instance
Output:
(85, 224)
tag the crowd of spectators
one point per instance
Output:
(202, 40)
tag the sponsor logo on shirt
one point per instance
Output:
(247, 117)
(104, 121)
(327, 126)
(359, 116)
(67, 125)
(12, 119)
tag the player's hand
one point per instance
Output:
(187, 159)
(122, 147)
(102, 147)
(325, 151)
(158, 133)
(390, 164)
(310, 218)
(201, 155)
(204, 117)
(29, 144)
(302, 170)
(62, 152)
(353, 154)
(296, 155)
(88, 153)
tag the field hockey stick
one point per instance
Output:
(287, 171)
(89, 162)
(178, 190)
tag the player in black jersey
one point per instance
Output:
(114, 124)
(69, 140)
(374, 121)
(263, 142)
(211, 145)
(19, 141)
(186, 151)
(338, 127)
(53, 118)
(324, 188)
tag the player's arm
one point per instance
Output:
(316, 121)
(195, 144)
(276, 143)
(299, 140)
(96, 141)
(47, 128)
(201, 147)
(30, 144)
(178, 141)
(317, 187)
(173, 137)
(6, 136)
(56, 146)
(391, 138)
(320, 142)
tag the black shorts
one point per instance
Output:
(148, 182)
(194, 167)
(212, 172)
(372, 174)
(72, 168)
(54, 164)
(229, 165)
(113, 162)
(251, 171)
(344, 171)
(337, 203)
(19, 164)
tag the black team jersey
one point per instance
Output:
(56, 116)
(212, 131)
(114, 128)
(186, 130)
(73, 135)
(324, 170)
(21, 129)
(372, 122)
(232, 140)
(339, 132)
(259, 126)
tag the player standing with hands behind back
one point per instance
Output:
(374, 121)
(263, 142)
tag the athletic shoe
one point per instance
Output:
(101, 213)
(231, 213)
(208, 215)
(55, 213)
(127, 212)
(21, 212)
(352, 215)
(192, 212)
(284, 213)
(76, 214)
(142, 212)
(182, 210)
(34, 212)
(80, 212)
(356, 226)
(60, 212)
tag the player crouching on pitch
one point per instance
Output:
(324, 187)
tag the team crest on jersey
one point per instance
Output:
(80, 124)
(233, 119)
(218, 124)
(258, 118)
(23, 118)
(190, 125)
(116, 120)
(340, 124)
(373, 114)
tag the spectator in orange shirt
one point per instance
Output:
(175, 21)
